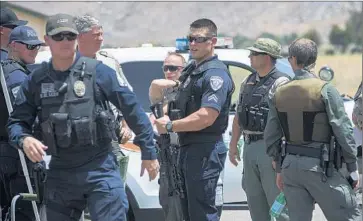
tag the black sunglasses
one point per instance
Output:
(171, 68)
(255, 53)
(68, 35)
(198, 39)
(30, 47)
(10, 26)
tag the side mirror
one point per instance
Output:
(326, 73)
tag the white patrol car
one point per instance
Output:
(142, 65)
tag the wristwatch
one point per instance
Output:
(177, 83)
(169, 126)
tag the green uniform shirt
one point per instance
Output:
(339, 121)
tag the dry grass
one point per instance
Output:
(347, 71)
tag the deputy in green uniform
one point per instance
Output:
(309, 113)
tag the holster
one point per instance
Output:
(40, 176)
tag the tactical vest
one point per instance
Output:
(8, 66)
(186, 99)
(253, 107)
(301, 112)
(72, 113)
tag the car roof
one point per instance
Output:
(124, 55)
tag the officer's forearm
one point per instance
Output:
(157, 87)
(236, 131)
(196, 121)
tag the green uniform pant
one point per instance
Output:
(303, 186)
(259, 181)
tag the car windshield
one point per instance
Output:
(140, 74)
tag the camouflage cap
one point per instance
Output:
(268, 46)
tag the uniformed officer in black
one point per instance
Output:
(8, 21)
(203, 100)
(70, 96)
(23, 48)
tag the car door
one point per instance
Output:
(232, 187)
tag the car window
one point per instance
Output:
(140, 74)
(239, 72)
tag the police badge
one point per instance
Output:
(79, 88)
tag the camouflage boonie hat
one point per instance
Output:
(268, 46)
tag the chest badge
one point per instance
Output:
(79, 88)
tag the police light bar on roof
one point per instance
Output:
(182, 44)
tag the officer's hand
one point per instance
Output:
(274, 165)
(279, 182)
(125, 134)
(152, 167)
(233, 155)
(160, 124)
(34, 149)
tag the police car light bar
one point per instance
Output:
(182, 44)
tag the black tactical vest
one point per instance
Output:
(72, 114)
(188, 101)
(8, 66)
(253, 107)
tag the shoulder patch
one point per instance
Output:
(216, 82)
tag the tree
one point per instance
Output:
(313, 35)
(269, 35)
(240, 41)
(339, 37)
(288, 39)
(354, 27)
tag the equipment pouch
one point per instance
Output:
(243, 117)
(48, 137)
(63, 129)
(83, 131)
(105, 127)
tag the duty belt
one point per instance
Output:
(303, 151)
(248, 138)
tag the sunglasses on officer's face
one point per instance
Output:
(255, 53)
(198, 39)
(171, 68)
(61, 36)
(31, 47)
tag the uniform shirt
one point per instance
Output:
(118, 94)
(279, 81)
(3, 54)
(339, 121)
(357, 115)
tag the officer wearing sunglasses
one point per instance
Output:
(203, 99)
(8, 21)
(23, 47)
(70, 94)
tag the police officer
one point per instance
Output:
(23, 48)
(203, 100)
(70, 94)
(258, 179)
(307, 112)
(8, 21)
(90, 39)
(164, 90)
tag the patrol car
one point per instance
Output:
(143, 64)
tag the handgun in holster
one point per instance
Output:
(40, 176)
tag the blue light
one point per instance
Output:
(181, 44)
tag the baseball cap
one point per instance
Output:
(26, 35)
(268, 46)
(9, 18)
(60, 23)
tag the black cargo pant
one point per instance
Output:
(12, 182)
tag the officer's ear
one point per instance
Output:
(214, 41)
